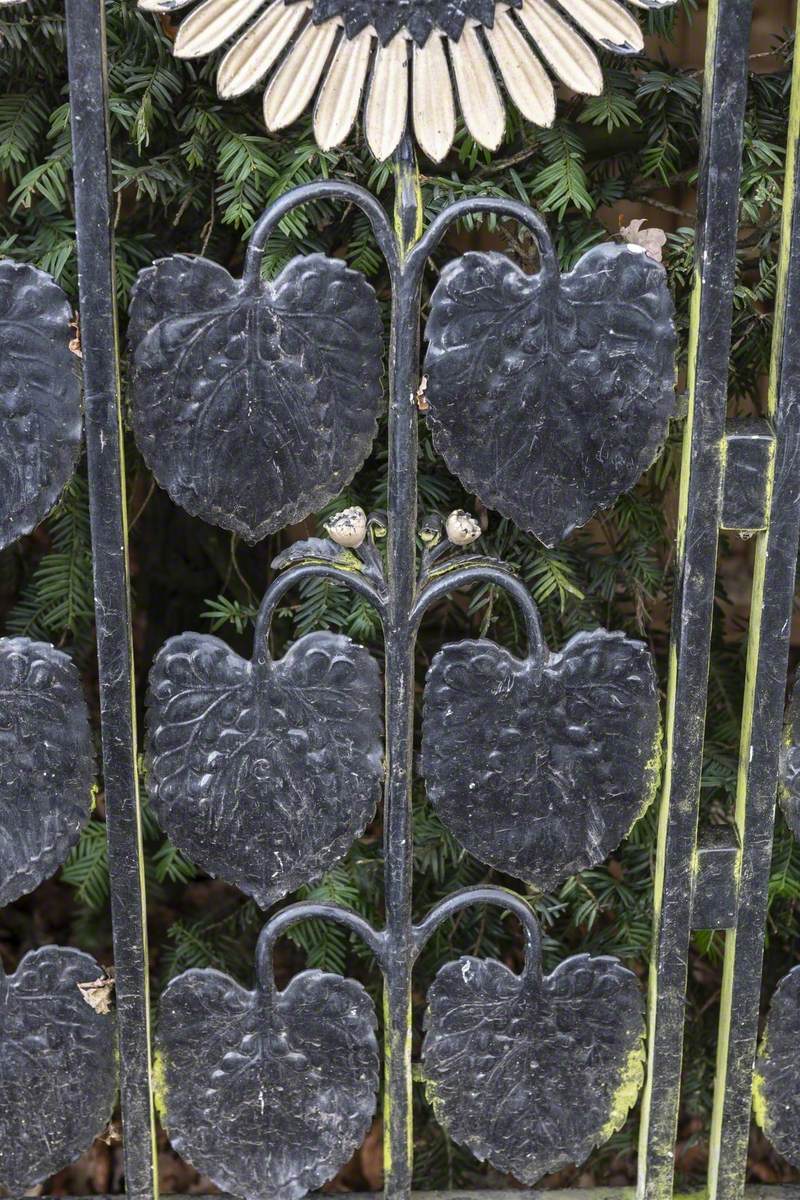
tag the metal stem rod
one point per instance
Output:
(403, 383)
(699, 518)
(86, 45)
(767, 663)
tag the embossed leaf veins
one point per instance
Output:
(254, 408)
(46, 763)
(265, 775)
(776, 1085)
(789, 792)
(269, 1101)
(39, 396)
(533, 1073)
(541, 769)
(57, 1066)
(548, 397)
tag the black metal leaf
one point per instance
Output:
(267, 1094)
(40, 398)
(776, 1083)
(264, 773)
(532, 1073)
(254, 403)
(789, 791)
(317, 550)
(540, 766)
(419, 17)
(46, 763)
(57, 1066)
(549, 396)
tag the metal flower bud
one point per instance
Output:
(462, 529)
(348, 528)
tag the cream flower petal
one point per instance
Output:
(571, 58)
(163, 6)
(607, 22)
(211, 24)
(387, 102)
(338, 101)
(481, 103)
(526, 80)
(432, 99)
(249, 58)
(294, 83)
(467, 62)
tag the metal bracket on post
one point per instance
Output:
(715, 894)
(749, 451)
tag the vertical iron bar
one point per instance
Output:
(698, 522)
(767, 661)
(403, 382)
(86, 44)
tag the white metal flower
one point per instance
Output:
(348, 527)
(396, 55)
(462, 529)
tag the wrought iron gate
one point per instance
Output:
(270, 1092)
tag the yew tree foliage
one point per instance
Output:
(191, 173)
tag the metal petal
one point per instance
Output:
(432, 101)
(526, 80)
(293, 86)
(387, 102)
(571, 58)
(337, 105)
(163, 6)
(608, 23)
(478, 94)
(255, 52)
(211, 24)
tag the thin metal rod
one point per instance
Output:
(765, 687)
(91, 156)
(401, 576)
(698, 525)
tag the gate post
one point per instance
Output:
(699, 518)
(95, 251)
(765, 688)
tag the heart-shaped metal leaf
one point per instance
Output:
(532, 1073)
(254, 403)
(776, 1083)
(789, 790)
(264, 773)
(540, 766)
(267, 1094)
(40, 398)
(46, 763)
(549, 395)
(57, 1066)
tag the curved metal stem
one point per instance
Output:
(305, 911)
(537, 647)
(497, 896)
(424, 248)
(352, 193)
(284, 583)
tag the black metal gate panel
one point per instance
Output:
(254, 403)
